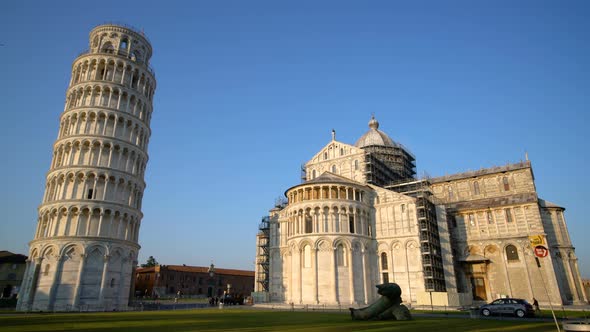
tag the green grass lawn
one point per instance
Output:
(560, 314)
(246, 320)
(568, 314)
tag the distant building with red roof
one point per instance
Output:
(194, 281)
(12, 270)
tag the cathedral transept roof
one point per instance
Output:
(329, 177)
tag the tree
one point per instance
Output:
(151, 261)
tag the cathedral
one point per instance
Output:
(362, 217)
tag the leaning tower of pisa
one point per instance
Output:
(86, 242)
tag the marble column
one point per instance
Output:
(56, 280)
(351, 276)
(335, 274)
(314, 259)
(103, 279)
(78, 288)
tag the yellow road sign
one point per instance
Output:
(537, 240)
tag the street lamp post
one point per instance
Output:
(154, 288)
(211, 283)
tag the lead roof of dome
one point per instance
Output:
(329, 177)
(374, 136)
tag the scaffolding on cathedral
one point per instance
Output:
(303, 173)
(434, 277)
(386, 164)
(263, 256)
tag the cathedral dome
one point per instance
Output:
(374, 136)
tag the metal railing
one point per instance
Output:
(126, 26)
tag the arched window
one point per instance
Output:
(340, 255)
(107, 48)
(351, 223)
(308, 224)
(384, 265)
(342, 151)
(356, 165)
(511, 253)
(476, 188)
(136, 56)
(336, 221)
(325, 155)
(307, 256)
(333, 168)
(44, 229)
(559, 217)
(313, 174)
(123, 45)
(508, 213)
(506, 184)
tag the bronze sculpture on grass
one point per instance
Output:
(388, 306)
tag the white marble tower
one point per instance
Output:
(86, 243)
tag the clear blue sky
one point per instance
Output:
(249, 90)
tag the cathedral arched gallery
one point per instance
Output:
(361, 217)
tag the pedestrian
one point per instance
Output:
(536, 306)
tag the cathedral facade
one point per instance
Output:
(361, 217)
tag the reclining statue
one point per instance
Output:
(388, 306)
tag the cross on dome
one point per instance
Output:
(373, 124)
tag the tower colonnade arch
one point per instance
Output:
(107, 263)
(95, 184)
(104, 96)
(98, 185)
(113, 68)
(105, 122)
(100, 153)
(89, 220)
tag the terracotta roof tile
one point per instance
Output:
(198, 269)
(8, 257)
